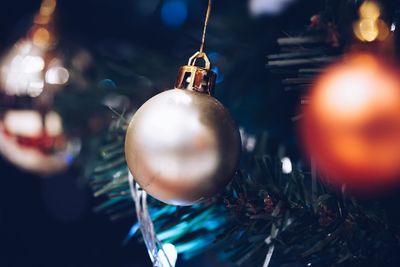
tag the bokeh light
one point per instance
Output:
(30, 64)
(27, 123)
(57, 75)
(47, 7)
(25, 72)
(168, 255)
(21, 70)
(174, 13)
(107, 84)
(53, 124)
(218, 72)
(393, 27)
(287, 167)
(268, 7)
(41, 37)
(370, 27)
(370, 10)
(351, 126)
(214, 58)
(249, 141)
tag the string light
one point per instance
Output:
(286, 165)
(370, 27)
(25, 70)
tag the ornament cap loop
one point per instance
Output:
(202, 55)
(195, 78)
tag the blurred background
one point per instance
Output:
(121, 52)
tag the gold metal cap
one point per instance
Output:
(199, 79)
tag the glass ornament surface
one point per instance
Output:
(182, 146)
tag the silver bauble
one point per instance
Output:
(182, 146)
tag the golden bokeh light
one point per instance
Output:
(370, 10)
(42, 20)
(47, 8)
(31, 65)
(369, 27)
(367, 30)
(41, 37)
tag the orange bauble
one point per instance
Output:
(351, 127)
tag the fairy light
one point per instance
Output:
(41, 37)
(370, 27)
(57, 75)
(168, 255)
(286, 165)
(393, 27)
(27, 123)
(53, 124)
(24, 70)
(21, 71)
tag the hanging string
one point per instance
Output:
(203, 39)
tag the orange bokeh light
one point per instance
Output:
(352, 123)
(41, 37)
(47, 7)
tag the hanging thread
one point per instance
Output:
(203, 39)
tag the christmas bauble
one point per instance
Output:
(351, 126)
(32, 136)
(182, 146)
(36, 142)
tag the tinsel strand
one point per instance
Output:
(153, 245)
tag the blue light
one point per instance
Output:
(131, 233)
(220, 75)
(212, 224)
(69, 158)
(107, 84)
(174, 13)
(213, 56)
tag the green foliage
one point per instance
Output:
(320, 227)
(303, 220)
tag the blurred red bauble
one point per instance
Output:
(36, 142)
(351, 127)
(32, 136)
